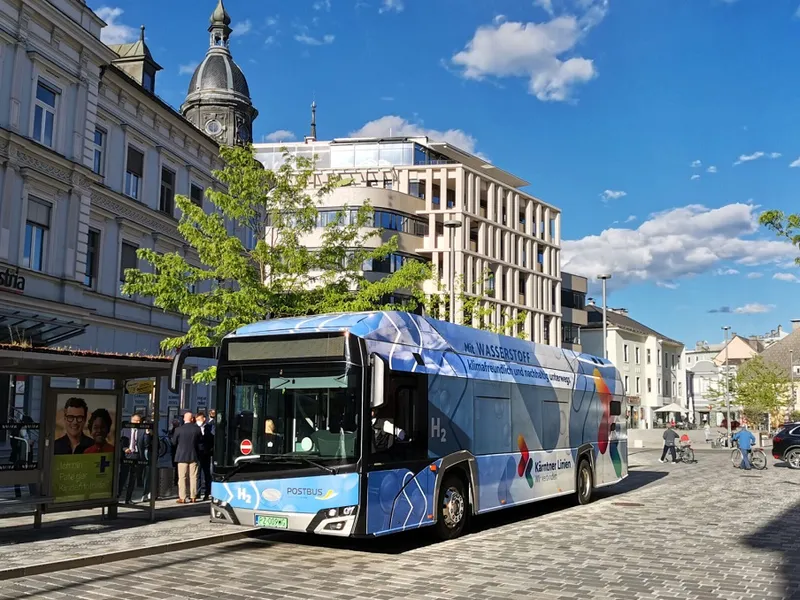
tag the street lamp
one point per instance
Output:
(727, 383)
(604, 278)
(452, 225)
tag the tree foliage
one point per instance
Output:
(784, 226)
(760, 388)
(289, 268)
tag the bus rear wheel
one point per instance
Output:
(452, 508)
(585, 482)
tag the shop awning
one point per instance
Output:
(672, 408)
(38, 330)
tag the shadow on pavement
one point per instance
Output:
(399, 543)
(69, 527)
(781, 535)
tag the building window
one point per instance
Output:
(167, 199)
(134, 173)
(569, 298)
(659, 358)
(649, 385)
(36, 228)
(625, 354)
(92, 256)
(99, 145)
(149, 80)
(674, 389)
(680, 389)
(660, 389)
(638, 386)
(44, 115)
(638, 355)
(128, 259)
(197, 195)
(570, 333)
(627, 387)
(649, 356)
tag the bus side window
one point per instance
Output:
(406, 412)
(616, 408)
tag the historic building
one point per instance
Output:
(218, 101)
(91, 160)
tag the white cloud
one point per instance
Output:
(387, 98)
(543, 53)
(243, 28)
(312, 41)
(755, 156)
(775, 154)
(696, 164)
(669, 285)
(612, 195)
(499, 19)
(271, 21)
(630, 219)
(114, 32)
(269, 40)
(546, 5)
(188, 68)
(680, 242)
(398, 126)
(392, 6)
(795, 164)
(753, 309)
(754, 275)
(726, 272)
(322, 5)
(786, 277)
(281, 135)
(711, 169)
(695, 177)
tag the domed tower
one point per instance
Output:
(218, 101)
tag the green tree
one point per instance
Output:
(474, 309)
(300, 271)
(760, 388)
(783, 225)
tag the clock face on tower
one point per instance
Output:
(213, 127)
(243, 134)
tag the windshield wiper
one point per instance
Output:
(297, 458)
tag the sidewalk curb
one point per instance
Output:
(89, 561)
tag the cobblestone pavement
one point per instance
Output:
(85, 533)
(702, 531)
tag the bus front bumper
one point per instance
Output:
(330, 521)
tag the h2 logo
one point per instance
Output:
(437, 431)
(243, 494)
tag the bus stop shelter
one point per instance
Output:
(68, 455)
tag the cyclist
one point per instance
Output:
(745, 439)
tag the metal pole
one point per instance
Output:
(605, 323)
(727, 385)
(154, 441)
(452, 275)
(790, 404)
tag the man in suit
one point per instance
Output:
(206, 451)
(186, 440)
(134, 456)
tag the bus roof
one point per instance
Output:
(396, 329)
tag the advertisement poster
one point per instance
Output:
(83, 451)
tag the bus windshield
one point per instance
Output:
(280, 417)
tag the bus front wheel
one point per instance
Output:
(585, 483)
(452, 509)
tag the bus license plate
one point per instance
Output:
(272, 522)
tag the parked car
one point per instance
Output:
(786, 445)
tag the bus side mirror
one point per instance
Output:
(378, 380)
(174, 383)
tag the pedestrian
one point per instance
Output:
(187, 454)
(212, 421)
(206, 450)
(669, 443)
(133, 456)
(745, 439)
(707, 430)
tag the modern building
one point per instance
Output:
(90, 162)
(573, 310)
(651, 365)
(415, 185)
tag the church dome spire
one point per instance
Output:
(218, 100)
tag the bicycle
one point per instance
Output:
(758, 458)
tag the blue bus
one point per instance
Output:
(364, 424)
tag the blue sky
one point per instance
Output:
(661, 128)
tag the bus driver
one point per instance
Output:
(383, 431)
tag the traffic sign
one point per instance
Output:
(246, 447)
